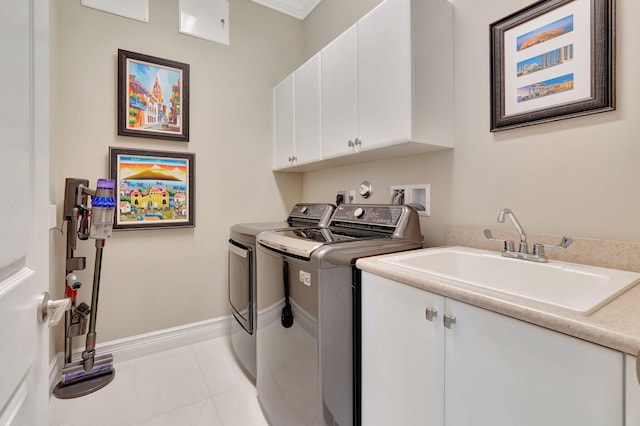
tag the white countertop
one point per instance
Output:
(616, 325)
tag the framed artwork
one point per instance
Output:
(153, 97)
(156, 188)
(552, 60)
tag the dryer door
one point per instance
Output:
(241, 283)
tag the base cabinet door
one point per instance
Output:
(503, 372)
(402, 354)
(632, 392)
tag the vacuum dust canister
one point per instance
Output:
(102, 209)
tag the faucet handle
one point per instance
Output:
(538, 248)
(508, 244)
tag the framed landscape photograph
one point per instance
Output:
(153, 97)
(552, 60)
(156, 188)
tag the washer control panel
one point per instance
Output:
(386, 215)
(320, 213)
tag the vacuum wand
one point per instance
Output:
(90, 347)
(103, 205)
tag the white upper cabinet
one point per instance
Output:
(307, 111)
(387, 85)
(385, 75)
(340, 94)
(283, 129)
(296, 109)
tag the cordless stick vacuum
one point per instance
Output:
(91, 372)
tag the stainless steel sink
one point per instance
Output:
(580, 288)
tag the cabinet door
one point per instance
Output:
(385, 75)
(503, 372)
(283, 132)
(402, 354)
(339, 94)
(632, 393)
(307, 111)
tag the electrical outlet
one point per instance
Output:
(352, 196)
(341, 197)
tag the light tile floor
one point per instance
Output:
(195, 385)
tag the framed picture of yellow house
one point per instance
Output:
(156, 188)
(153, 97)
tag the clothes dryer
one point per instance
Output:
(243, 280)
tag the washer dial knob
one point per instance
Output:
(304, 210)
(359, 213)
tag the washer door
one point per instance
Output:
(241, 283)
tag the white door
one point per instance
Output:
(24, 177)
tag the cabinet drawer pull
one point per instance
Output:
(431, 313)
(350, 143)
(449, 320)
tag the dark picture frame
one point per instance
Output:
(153, 97)
(552, 60)
(156, 189)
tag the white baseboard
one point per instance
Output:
(149, 343)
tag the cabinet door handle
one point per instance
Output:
(431, 313)
(350, 143)
(357, 142)
(449, 320)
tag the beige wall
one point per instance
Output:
(577, 177)
(154, 279)
(329, 19)
(574, 177)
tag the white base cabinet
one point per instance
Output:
(632, 392)
(486, 369)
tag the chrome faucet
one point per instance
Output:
(523, 250)
(524, 247)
